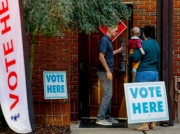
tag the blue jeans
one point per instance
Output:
(105, 108)
(146, 76)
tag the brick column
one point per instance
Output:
(51, 54)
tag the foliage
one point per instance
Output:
(89, 15)
(52, 17)
(47, 17)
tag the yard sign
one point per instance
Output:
(55, 85)
(146, 102)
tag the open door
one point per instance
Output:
(90, 88)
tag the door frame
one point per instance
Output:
(85, 108)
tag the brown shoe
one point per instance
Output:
(153, 127)
(142, 128)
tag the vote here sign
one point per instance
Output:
(146, 102)
(55, 85)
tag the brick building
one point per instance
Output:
(75, 54)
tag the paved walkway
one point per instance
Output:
(160, 130)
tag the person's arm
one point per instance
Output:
(104, 64)
(118, 50)
(142, 51)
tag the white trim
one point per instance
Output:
(128, 3)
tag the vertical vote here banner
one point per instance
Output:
(55, 85)
(15, 89)
(146, 102)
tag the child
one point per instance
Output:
(135, 42)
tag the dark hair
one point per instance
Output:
(149, 31)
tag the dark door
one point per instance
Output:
(90, 88)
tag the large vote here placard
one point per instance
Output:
(146, 102)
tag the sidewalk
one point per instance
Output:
(160, 130)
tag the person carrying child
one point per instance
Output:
(134, 43)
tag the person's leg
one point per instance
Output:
(147, 77)
(136, 64)
(108, 115)
(106, 100)
(131, 51)
(152, 125)
(135, 67)
(143, 77)
(156, 76)
(108, 111)
(143, 127)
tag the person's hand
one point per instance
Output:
(143, 53)
(109, 75)
(120, 49)
(122, 44)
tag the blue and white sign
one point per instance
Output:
(146, 102)
(55, 85)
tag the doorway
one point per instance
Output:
(90, 88)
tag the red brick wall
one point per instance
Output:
(144, 12)
(176, 37)
(51, 54)
(74, 75)
(62, 54)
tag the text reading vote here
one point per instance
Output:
(55, 78)
(55, 88)
(146, 106)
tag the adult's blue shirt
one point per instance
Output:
(105, 46)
